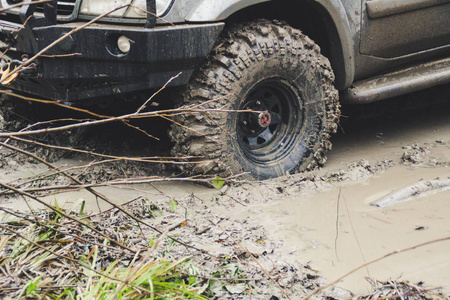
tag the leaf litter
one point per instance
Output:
(44, 254)
(218, 250)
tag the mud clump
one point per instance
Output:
(418, 155)
(304, 183)
(415, 153)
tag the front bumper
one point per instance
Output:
(89, 63)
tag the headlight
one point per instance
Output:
(98, 7)
(162, 6)
(141, 6)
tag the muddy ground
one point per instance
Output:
(306, 229)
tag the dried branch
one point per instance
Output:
(56, 103)
(116, 182)
(149, 159)
(255, 260)
(66, 215)
(62, 256)
(106, 119)
(374, 261)
(156, 93)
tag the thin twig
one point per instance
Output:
(116, 182)
(150, 159)
(143, 261)
(355, 235)
(112, 208)
(151, 114)
(255, 260)
(61, 55)
(337, 225)
(65, 215)
(156, 93)
(374, 261)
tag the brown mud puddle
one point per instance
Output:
(308, 222)
(338, 230)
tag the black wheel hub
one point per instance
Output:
(271, 112)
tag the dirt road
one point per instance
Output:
(324, 218)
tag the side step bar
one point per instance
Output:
(398, 83)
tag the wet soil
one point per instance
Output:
(315, 223)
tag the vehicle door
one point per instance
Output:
(395, 28)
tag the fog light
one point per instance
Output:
(124, 44)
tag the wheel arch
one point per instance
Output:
(278, 105)
(325, 21)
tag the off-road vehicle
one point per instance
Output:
(261, 78)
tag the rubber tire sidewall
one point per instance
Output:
(245, 55)
(307, 125)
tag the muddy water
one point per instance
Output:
(337, 233)
(380, 138)
(164, 191)
(337, 230)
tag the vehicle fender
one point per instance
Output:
(345, 39)
(347, 26)
(207, 10)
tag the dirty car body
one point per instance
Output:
(376, 48)
(365, 38)
(90, 63)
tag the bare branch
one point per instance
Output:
(374, 261)
(154, 94)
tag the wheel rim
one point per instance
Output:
(269, 132)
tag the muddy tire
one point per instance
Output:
(278, 102)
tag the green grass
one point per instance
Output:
(42, 274)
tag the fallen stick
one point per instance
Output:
(409, 192)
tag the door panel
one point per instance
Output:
(393, 28)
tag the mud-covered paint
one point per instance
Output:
(412, 79)
(154, 57)
(384, 8)
(365, 38)
(207, 10)
(343, 17)
(98, 7)
(392, 29)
